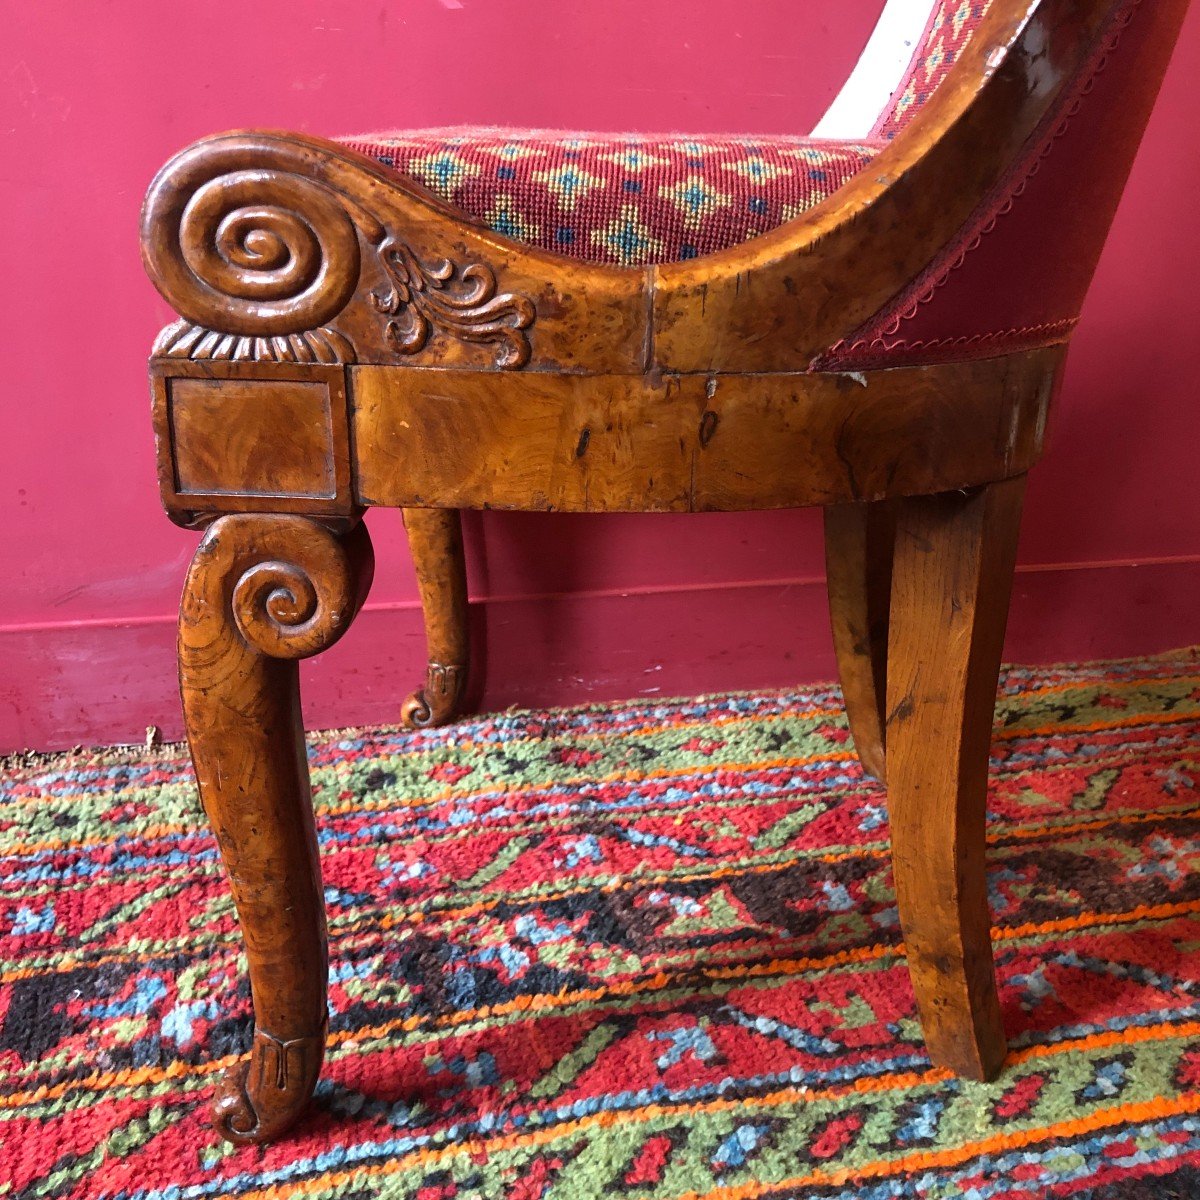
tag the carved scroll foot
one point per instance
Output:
(267, 1093)
(435, 540)
(262, 592)
(438, 701)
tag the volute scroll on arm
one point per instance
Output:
(278, 247)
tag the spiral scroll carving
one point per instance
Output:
(261, 242)
(285, 612)
(292, 586)
(242, 238)
(262, 1097)
(437, 702)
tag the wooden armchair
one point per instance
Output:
(875, 321)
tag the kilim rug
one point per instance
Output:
(641, 950)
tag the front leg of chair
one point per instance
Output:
(262, 592)
(436, 542)
(859, 539)
(951, 581)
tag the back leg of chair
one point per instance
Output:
(435, 540)
(951, 581)
(859, 540)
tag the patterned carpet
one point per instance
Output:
(645, 950)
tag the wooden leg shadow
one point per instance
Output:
(951, 582)
(436, 542)
(262, 592)
(859, 540)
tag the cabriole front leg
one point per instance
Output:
(262, 592)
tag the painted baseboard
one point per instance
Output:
(99, 683)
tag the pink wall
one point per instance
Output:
(571, 608)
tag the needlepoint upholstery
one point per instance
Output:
(621, 198)
(633, 199)
(952, 24)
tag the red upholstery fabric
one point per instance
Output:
(628, 199)
(1018, 272)
(952, 24)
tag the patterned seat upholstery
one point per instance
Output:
(633, 199)
(622, 199)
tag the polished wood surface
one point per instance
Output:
(346, 340)
(263, 592)
(601, 443)
(234, 438)
(224, 217)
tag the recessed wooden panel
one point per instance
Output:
(252, 437)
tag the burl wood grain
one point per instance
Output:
(691, 443)
(252, 412)
(233, 437)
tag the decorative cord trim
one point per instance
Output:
(926, 285)
(1027, 336)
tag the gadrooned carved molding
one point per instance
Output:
(275, 250)
(185, 340)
